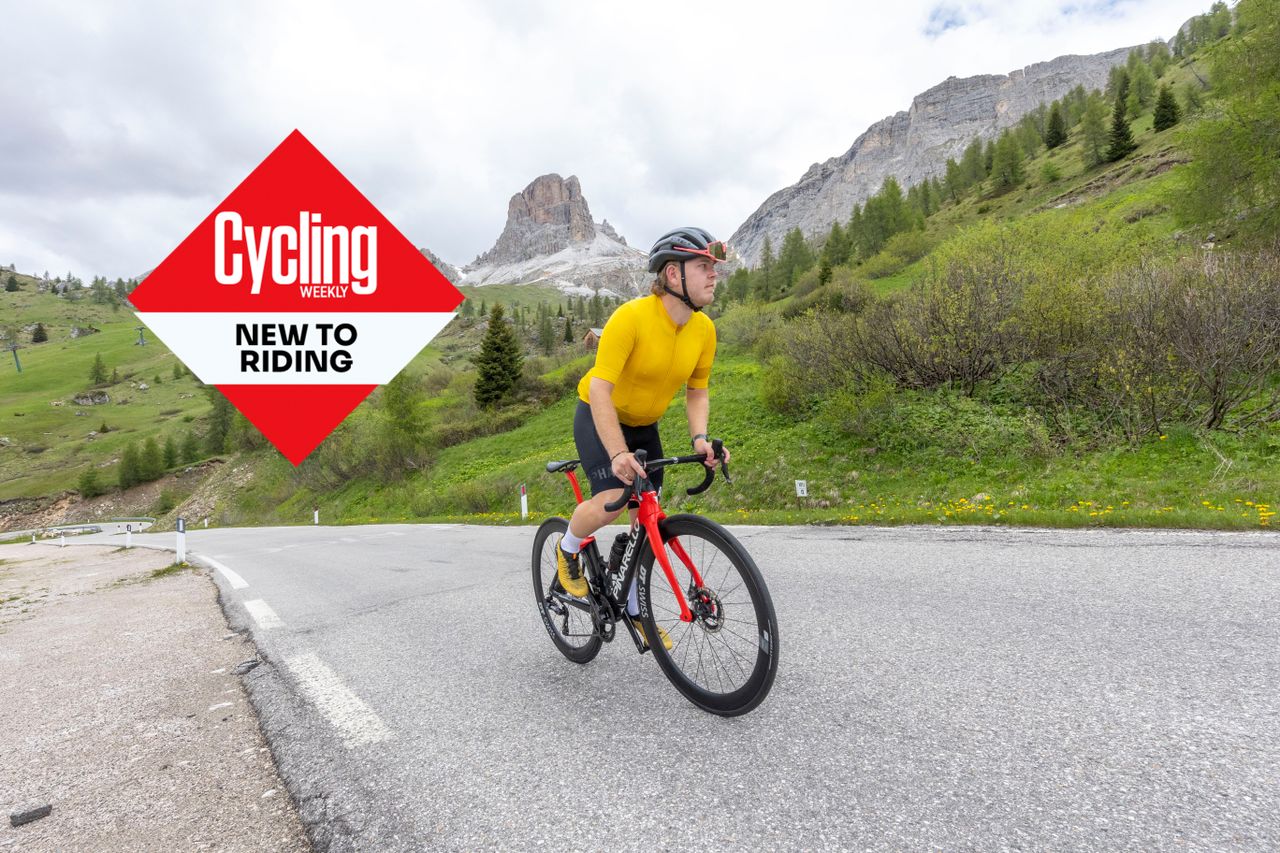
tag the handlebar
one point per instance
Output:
(717, 448)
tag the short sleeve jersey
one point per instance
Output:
(648, 357)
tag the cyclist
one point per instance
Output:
(650, 347)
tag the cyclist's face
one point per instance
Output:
(700, 278)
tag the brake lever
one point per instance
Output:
(642, 456)
(717, 447)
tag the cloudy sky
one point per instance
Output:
(122, 124)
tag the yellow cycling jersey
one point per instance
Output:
(648, 357)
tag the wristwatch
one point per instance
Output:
(693, 442)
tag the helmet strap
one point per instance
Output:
(683, 286)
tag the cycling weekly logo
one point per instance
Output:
(296, 298)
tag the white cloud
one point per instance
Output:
(121, 125)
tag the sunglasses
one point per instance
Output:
(716, 251)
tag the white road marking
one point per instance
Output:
(234, 579)
(356, 721)
(220, 705)
(263, 614)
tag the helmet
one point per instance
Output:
(680, 244)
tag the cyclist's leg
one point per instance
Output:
(590, 515)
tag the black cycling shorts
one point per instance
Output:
(595, 459)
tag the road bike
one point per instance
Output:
(697, 587)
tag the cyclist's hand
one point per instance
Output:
(626, 468)
(704, 447)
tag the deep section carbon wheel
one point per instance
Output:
(568, 623)
(725, 660)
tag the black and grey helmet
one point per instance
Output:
(693, 241)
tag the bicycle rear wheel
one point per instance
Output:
(725, 660)
(570, 627)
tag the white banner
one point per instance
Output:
(347, 348)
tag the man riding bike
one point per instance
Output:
(650, 347)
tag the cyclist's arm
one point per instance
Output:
(605, 418)
(697, 404)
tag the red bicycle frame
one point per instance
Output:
(650, 514)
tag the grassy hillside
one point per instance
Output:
(49, 442)
(872, 450)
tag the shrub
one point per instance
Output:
(88, 485)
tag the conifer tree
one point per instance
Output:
(546, 334)
(151, 462)
(1093, 131)
(1120, 142)
(170, 452)
(127, 472)
(499, 361)
(1166, 114)
(88, 486)
(38, 334)
(1006, 169)
(190, 447)
(764, 281)
(11, 283)
(568, 330)
(98, 371)
(1056, 132)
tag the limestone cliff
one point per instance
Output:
(915, 144)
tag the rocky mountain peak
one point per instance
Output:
(548, 215)
(550, 237)
(914, 144)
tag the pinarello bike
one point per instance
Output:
(696, 582)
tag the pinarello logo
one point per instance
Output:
(296, 298)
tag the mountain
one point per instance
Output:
(550, 237)
(445, 268)
(914, 144)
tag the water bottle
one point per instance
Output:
(615, 553)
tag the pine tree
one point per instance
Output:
(1006, 169)
(568, 330)
(764, 280)
(98, 371)
(11, 283)
(170, 453)
(1166, 114)
(988, 158)
(1056, 132)
(1120, 141)
(215, 440)
(151, 462)
(1093, 131)
(88, 486)
(546, 335)
(190, 448)
(127, 473)
(38, 334)
(499, 361)
(484, 309)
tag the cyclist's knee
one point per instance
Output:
(607, 498)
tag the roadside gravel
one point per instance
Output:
(122, 709)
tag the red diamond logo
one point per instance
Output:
(296, 298)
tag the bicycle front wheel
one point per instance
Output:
(725, 660)
(569, 626)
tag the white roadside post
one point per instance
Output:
(315, 517)
(182, 540)
(128, 536)
(62, 540)
(524, 502)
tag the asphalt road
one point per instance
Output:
(941, 689)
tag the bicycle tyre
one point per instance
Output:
(741, 629)
(566, 630)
